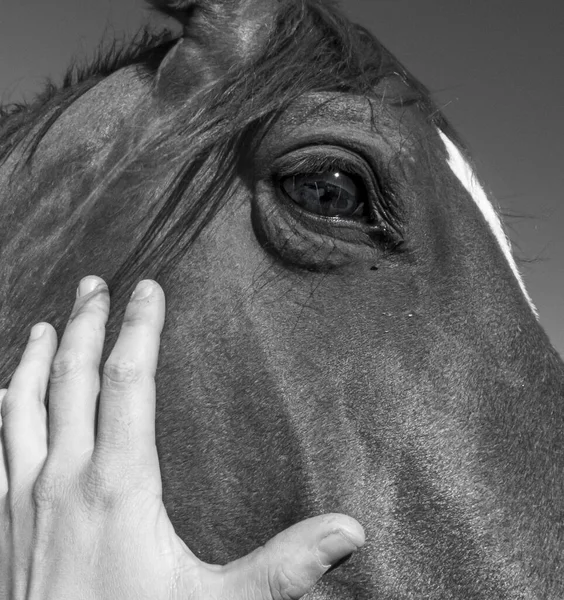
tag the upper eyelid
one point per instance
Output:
(314, 159)
(350, 163)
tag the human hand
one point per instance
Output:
(81, 512)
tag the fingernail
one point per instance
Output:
(87, 285)
(37, 331)
(143, 290)
(334, 548)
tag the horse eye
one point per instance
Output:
(331, 194)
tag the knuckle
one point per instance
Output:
(49, 489)
(103, 488)
(282, 584)
(67, 365)
(120, 372)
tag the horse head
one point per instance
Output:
(347, 330)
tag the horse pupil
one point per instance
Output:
(331, 194)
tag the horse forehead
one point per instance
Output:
(365, 123)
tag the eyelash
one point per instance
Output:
(312, 163)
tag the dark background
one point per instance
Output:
(495, 67)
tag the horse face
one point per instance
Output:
(378, 366)
(346, 333)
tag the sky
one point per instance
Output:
(495, 67)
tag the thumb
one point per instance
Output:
(288, 566)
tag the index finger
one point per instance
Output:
(126, 418)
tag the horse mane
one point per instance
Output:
(312, 48)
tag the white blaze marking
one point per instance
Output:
(463, 171)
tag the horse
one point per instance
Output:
(347, 330)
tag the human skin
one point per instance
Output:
(81, 511)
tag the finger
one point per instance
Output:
(75, 381)
(3, 463)
(23, 408)
(126, 417)
(290, 564)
